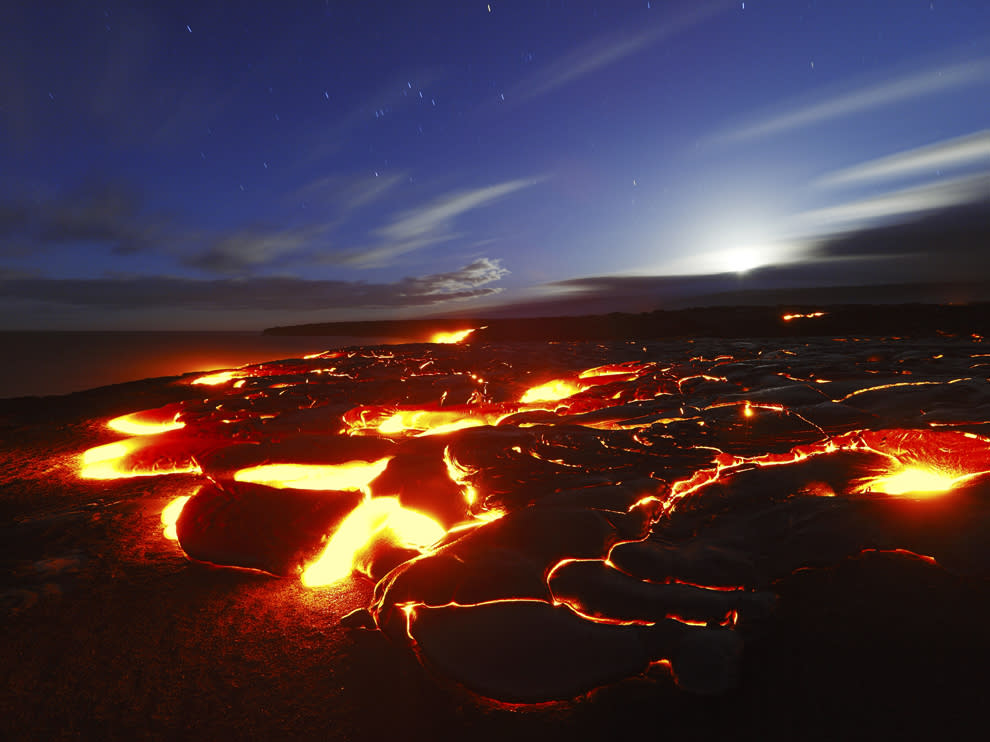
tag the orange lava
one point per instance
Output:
(351, 475)
(170, 515)
(454, 337)
(106, 462)
(143, 423)
(551, 391)
(218, 378)
(377, 517)
(812, 315)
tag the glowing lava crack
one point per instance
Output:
(537, 530)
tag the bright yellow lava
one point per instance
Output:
(352, 475)
(221, 377)
(551, 391)
(368, 521)
(427, 422)
(449, 338)
(911, 480)
(170, 515)
(101, 462)
(133, 425)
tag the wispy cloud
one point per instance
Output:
(261, 293)
(901, 203)
(948, 154)
(481, 272)
(602, 52)
(866, 98)
(346, 194)
(110, 217)
(244, 250)
(108, 213)
(422, 227)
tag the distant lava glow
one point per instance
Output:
(449, 338)
(218, 378)
(812, 315)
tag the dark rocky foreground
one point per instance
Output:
(839, 613)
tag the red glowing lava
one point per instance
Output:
(453, 337)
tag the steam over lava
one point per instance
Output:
(542, 520)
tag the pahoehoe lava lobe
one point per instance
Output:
(528, 650)
(541, 520)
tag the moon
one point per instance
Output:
(742, 259)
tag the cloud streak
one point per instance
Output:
(928, 197)
(866, 98)
(244, 250)
(110, 216)
(262, 293)
(948, 154)
(422, 227)
(602, 52)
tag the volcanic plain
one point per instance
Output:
(775, 537)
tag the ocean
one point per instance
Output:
(46, 363)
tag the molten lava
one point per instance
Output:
(352, 475)
(376, 518)
(216, 379)
(450, 338)
(171, 514)
(911, 480)
(107, 461)
(812, 315)
(551, 391)
(429, 422)
(138, 423)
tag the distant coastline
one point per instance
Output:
(730, 322)
(40, 363)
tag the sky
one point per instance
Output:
(238, 165)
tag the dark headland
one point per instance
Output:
(728, 322)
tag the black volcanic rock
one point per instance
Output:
(718, 321)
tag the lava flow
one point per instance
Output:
(618, 507)
(455, 336)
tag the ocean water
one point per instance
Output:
(44, 363)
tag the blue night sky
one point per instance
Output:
(205, 165)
